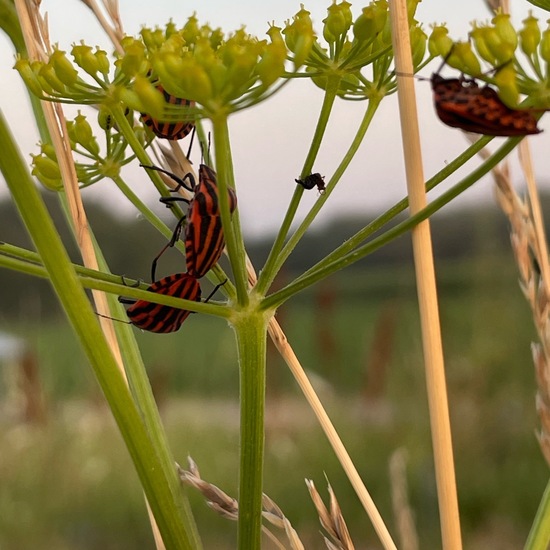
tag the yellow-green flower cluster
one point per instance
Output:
(353, 45)
(504, 49)
(92, 165)
(201, 64)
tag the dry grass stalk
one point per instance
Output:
(434, 364)
(401, 508)
(227, 507)
(331, 519)
(110, 20)
(529, 247)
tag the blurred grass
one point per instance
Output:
(70, 484)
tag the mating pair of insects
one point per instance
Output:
(204, 244)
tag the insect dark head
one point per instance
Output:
(313, 180)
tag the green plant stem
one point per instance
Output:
(109, 283)
(231, 227)
(250, 330)
(78, 309)
(265, 278)
(145, 400)
(308, 220)
(326, 269)
(539, 536)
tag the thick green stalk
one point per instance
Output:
(326, 269)
(77, 307)
(250, 328)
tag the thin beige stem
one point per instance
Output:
(536, 211)
(114, 29)
(31, 22)
(426, 285)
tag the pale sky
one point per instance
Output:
(271, 140)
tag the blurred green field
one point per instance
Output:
(69, 484)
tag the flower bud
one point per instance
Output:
(478, 35)
(133, 61)
(501, 51)
(272, 63)
(85, 58)
(47, 172)
(23, 67)
(338, 21)
(418, 45)
(103, 62)
(50, 81)
(530, 35)
(439, 43)
(464, 59)
(506, 31)
(191, 30)
(63, 68)
(545, 45)
(152, 39)
(81, 132)
(299, 36)
(371, 21)
(150, 98)
(505, 79)
(216, 38)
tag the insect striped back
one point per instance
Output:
(164, 319)
(170, 130)
(204, 240)
(461, 103)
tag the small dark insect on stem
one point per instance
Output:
(313, 180)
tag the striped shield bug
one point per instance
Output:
(170, 130)
(313, 180)
(462, 103)
(164, 319)
(204, 240)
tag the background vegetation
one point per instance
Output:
(67, 481)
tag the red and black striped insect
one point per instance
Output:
(204, 239)
(164, 319)
(462, 103)
(313, 180)
(170, 130)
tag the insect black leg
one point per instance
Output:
(173, 240)
(180, 181)
(191, 142)
(216, 288)
(134, 285)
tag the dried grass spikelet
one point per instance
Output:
(404, 517)
(530, 250)
(228, 507)
(331, 519)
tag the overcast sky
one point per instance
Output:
(270, 141)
